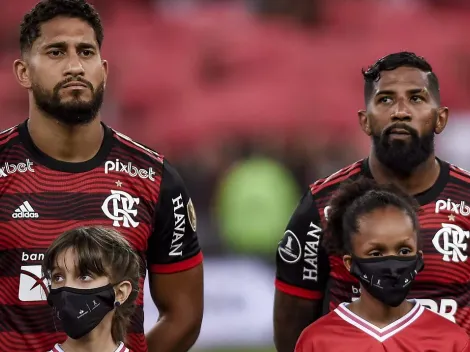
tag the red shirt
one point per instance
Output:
(419, 330)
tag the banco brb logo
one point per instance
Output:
(119, 207)
(451, 241)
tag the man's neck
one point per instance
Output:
(420, 180)
(376, 312)
(66, 143)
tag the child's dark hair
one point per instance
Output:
(46, 10)
(356, 198)
(104, 252)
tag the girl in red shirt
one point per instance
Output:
(375, 231)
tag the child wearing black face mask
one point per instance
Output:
(93, 274)
(374, 231)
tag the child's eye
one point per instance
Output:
(375, 254)
(86, 278)
(404, 251)
(57, 278)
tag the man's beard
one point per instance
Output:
(403, 156)
(74, 112)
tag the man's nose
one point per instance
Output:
(74, 67)
(401, 112)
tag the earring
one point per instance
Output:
(117, 304)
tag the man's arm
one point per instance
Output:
(175, 268)
(179, 299)
(302, 271)
(291, 316)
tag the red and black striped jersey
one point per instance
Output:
(125, 186)
(304, 268)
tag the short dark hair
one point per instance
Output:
(394, 61)
(46, 10)
(354, 199)
(104, 252)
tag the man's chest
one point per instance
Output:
(39, 204)
(445, 234)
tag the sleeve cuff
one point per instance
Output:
(297, 291)
(177, 267)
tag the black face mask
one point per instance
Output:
(81, 310)
(388, 278)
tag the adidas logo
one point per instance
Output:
(25, 211)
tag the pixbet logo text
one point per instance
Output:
(7, 168)
(456, 208)
(129, 169)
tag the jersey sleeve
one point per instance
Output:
(173, 245)
(302, 266)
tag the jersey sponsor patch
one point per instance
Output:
(33, 285)
(129, 169)
(289, 248)
(25, 211)
(459, 208)
(9, 168)
(180, 227)
(192, 215)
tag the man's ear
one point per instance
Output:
(105, 66)
(442, 118)
(22, 73)
(347, 261)
(364, 122)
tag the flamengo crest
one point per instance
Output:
(119, 207)
(451, 242)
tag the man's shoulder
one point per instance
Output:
(137, 149)
(331, 182)
(8, 136)
(459, 173)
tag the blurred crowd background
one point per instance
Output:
(252, 100)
